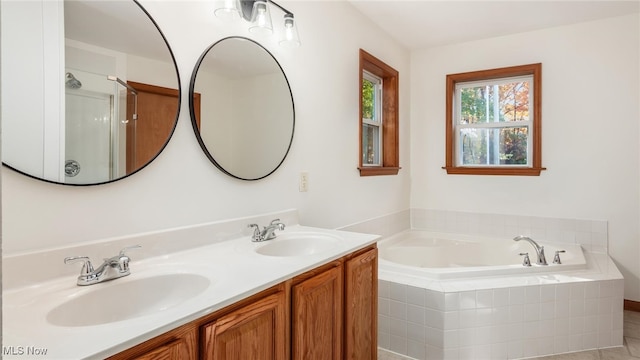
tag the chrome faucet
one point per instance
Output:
(112, 268)
(268, 232)
(539, 249)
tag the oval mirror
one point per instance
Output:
(247, 119)
(90, 89)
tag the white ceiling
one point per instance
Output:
(417, 24)
(421, 24)
(117, 25)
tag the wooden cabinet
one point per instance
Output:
(316, 315)
(180, 343)
(256, 331)
(177, 349)
(361, 306)
(254, 328)
(326, 313)
(334, 310)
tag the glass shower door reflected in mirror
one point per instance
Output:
(95, 128)
(77, 60)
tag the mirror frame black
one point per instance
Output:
(194, 120)
(175, 123)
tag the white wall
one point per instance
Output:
(38, 144)
(216, 105)
(255, 145)
(261, 137)
(182, 187)
(590, 132)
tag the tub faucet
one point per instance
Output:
(267, 232)
(539, 249)
(112, 268)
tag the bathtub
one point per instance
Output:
(447, 256)
(450, 296)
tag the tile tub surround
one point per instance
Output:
(630, 350)
(507, 332)
(385, 225)
(592, 235)
(499, 318)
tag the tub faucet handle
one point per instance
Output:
(526, 261)
(556, 259)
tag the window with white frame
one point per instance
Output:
(371, 119)
(493, 122)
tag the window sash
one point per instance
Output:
(490, 83)
(458, 126)
(376, 145)
(377, 119)
(496, 125)
(497, 81)
(377, 97)
(460, 149)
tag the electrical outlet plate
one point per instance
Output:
(303, 185)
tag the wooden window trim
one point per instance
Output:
(390, 116)
(536, 161)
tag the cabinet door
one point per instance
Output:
(317, 317)
(177, 349)
(180, 343)
(361, 306)
(256, 331)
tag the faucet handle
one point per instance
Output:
(87, 267)
(256, 228)
(556, 258)
(278, 223)
(129, 248)
(122, 260)
(526, 261)
(257, 236)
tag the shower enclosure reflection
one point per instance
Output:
(71, 112)
(95, 127)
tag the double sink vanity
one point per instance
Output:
(307, 293)
(200, 292)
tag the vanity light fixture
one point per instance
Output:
(261, 18)
(291, 38)
(258, 13)
(228, 10)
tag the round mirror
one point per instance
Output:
(90, 89)
(242, 108)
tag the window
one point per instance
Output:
(371, 119)
(493, 122)
(378, 117)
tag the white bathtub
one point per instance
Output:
(448, 296)
(448, 256)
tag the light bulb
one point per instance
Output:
(290, 37)
(228, 10)
(261, 20)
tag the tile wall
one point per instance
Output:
(591, 234)
(504, 323)
(384, 226)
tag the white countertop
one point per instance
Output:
(233, 267)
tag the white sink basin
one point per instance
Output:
(123, 299)
(298, 244)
